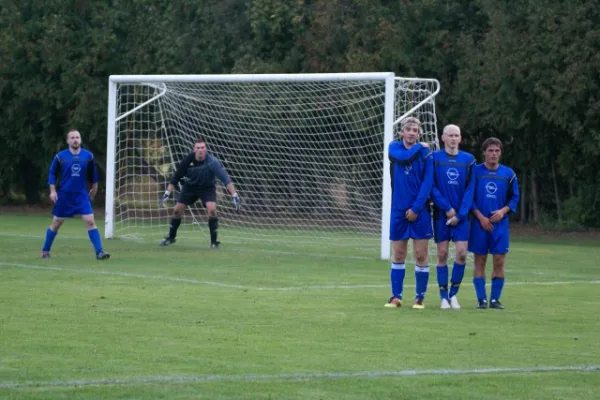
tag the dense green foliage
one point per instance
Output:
(525, 70)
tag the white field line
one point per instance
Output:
(291, 253)
(293, 377)
(257, 288)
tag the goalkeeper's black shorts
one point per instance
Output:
(189, 195)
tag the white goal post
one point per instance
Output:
(307, 153)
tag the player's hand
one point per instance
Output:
(410, 215)
(450, 213)
(453, 221)
(425, 144)
(237, 201)
(53, 196)
(497, 215)
(164, 198)
(92, 193)
(486, 224)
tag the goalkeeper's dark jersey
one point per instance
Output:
(200, 175)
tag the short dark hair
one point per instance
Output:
(491, 141)
(201, 139)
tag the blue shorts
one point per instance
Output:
(443, 232)
(495, 242)
(402, 229)
(69, 204)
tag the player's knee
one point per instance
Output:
(56, 224)
(178, 210)
(442, 255)
(461, 256)
(90, 223)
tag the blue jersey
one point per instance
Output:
(495, 189)
(411, 175)
(71, 172)
(453, 183)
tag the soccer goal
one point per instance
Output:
(307, 153)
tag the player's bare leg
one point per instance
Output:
(175, 222)
(50, 235)
(397, 273)
(94, 235)
(479, 280)
(442, 273)
(497, 281)
(421, 253)
(213, 223)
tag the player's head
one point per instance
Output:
(200, 148)
(410, 130)
(492, 150)
(451, 136)
(73, 139)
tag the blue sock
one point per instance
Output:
(442, 278)
(50, 235)
(458, 273)
(397, 274)
(421, 279)
(497, 285)
(95, 239)
(479, 283)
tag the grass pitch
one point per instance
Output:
(294, 322)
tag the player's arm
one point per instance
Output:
(439, 200)
(467, 200)
(92, 176)
(53, 176)
(512, 201)
(398, 154)
(176, 178)
(223, 176)
(425, 191)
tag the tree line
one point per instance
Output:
(526, 71)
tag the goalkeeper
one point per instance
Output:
(199, 171)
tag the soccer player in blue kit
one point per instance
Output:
(412, 179)
(496, 194)
(452, 194)
(71, 169)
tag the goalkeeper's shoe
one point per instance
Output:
(45, 255)
(482, 304)
(102, 255)
(215, 245)
(496, 304)
(167, 241)
(418, 304)
(393, 302)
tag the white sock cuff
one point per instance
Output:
(421, 269)
(398, 266)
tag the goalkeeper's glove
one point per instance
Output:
(237, 202)
(164, 198)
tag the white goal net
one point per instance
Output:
(307, 154)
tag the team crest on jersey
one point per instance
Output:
(75, 169)
(407, 168)
(452, 174)
(191, 164)
(491, 188)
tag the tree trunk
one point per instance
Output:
(30, 181)
(535, 206)
(523, 204)
(556, 196)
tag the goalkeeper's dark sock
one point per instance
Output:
(213, 225)
(50, 235)
(94, 235)
(442, 278)
(479, 283)
(458, 273)
(397, 274)
(175, 222)
(497, 285)
(421, 280)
